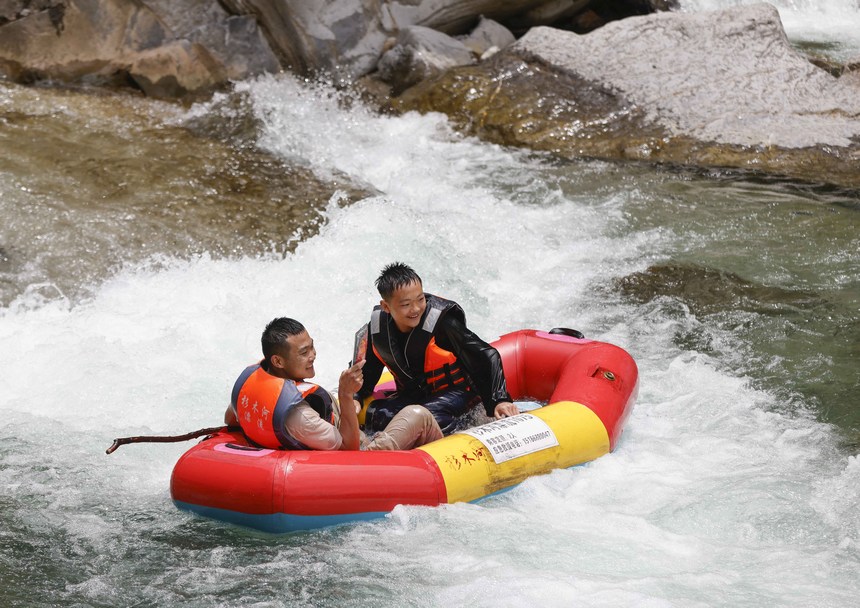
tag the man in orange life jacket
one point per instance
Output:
(277, 408)
(435, 359)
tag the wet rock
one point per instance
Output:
(176, 70)
(710, 291)
(722, 89)
(511, 101)
(133, 183)
(419, 53)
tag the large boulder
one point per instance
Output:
(171, 52)
(235, 41)
(175, 69)
(709, 89)
(99, 41)
(346, 38)
(419, 53)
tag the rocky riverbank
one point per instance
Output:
(177, 49)
(617, 80)
(723, 89)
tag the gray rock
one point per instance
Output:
(851, 74)
(236, 41)
(342, 37)
(487, 36)
(722, 89)
(177, 69)
(10, 10)
(347, 37)
(550, 12)
(77, 38)
(450, 16)
(729, 76)
(110, 41)
(420, 53)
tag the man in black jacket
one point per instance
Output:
(435, 359)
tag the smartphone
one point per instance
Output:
(359, 350)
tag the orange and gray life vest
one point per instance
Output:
(419, 365)
(261, 403)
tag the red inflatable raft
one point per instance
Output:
(589, 388)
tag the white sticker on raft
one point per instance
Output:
(513, 437)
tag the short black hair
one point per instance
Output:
(393, 277)
(274, 339)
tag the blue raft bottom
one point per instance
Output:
(285, 523)
(278, 523)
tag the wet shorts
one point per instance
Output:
(448, 407)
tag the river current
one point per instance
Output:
(144, 246)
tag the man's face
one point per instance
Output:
(297, 363)
(406, 306)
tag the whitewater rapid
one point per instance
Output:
(718, 493)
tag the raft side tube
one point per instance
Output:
(471, 473)
(239, 478)
(224, 474)
(533, 361)
(333, 483)
(604, 378)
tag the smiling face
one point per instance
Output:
(406, 306)
(296, 361)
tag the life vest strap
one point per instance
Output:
(446, 377)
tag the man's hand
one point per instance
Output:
(351, 379)
(505, 409)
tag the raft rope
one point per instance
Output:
(162, 439)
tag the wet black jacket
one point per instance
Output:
(480, 361)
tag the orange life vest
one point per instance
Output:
(262, 401)
(420, 366)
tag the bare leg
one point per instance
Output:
(414, 425)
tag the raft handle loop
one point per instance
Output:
(243, 448)
(564, 331)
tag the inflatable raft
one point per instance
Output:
(589, 388)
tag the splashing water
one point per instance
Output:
(721, 492)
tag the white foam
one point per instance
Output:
(713, 496)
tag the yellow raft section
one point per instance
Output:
(470, 472)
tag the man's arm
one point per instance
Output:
(481, 361)
(230, 417)
(305, 425)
